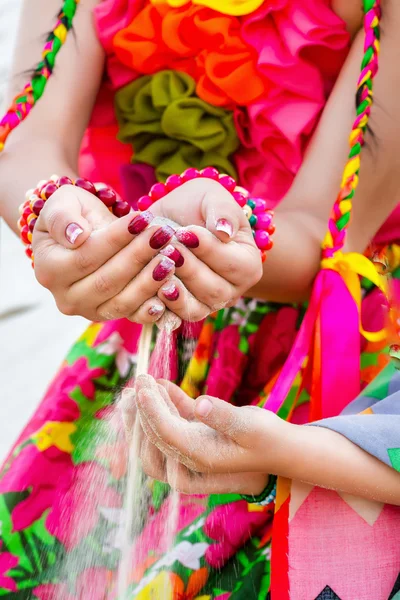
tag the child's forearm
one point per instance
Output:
(329, 460)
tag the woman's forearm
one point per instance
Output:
(324, 458)
(48, 141)
(294, 260)
(22, 165)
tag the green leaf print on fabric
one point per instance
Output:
(36, 548)
(394, 455)
(21, 595)
(90, 553)
(92, 431)
(221, 499)
(94, 356)
(252, 580)
(379, 387)
(160, 491)
(11, 539)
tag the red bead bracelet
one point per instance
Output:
(255, 209)
(36, 199)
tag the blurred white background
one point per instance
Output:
(34, 336)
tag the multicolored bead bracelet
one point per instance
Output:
(36, 199)
(267, 496)
(255, 209)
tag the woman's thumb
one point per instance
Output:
(62, 217)
(222, 214)
(219, 415)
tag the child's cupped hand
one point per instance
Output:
(141, 267)
(204, 446)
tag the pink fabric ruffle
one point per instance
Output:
(102, 154)
(113, 15)
(110, 17)
(301, 48)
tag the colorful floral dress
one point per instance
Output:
(174, 97)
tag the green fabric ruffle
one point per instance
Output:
(170, 128)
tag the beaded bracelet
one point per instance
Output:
(255, 209)
(36, 199)
(267, 496)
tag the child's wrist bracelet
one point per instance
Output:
(267, 496)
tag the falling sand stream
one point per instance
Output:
(135, 493)
(120, 540)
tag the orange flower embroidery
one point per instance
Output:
(171, 587)
(196, 582)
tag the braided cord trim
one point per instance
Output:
(23, 103)
(341, 213)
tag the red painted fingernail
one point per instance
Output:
(170, 291)
(161, 237)
(140, 222)
(72, 232)
(156, 310)
(224, 226)
(187, 238)
(163, 269)
(174, 255)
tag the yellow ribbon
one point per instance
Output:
(226, 7)
(351, 266)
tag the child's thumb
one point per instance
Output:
(220, 415)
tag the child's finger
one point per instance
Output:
(167, 427)
(189, 482)
(155, 439)
(153, 461)
(184, 404)
(128, 410)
